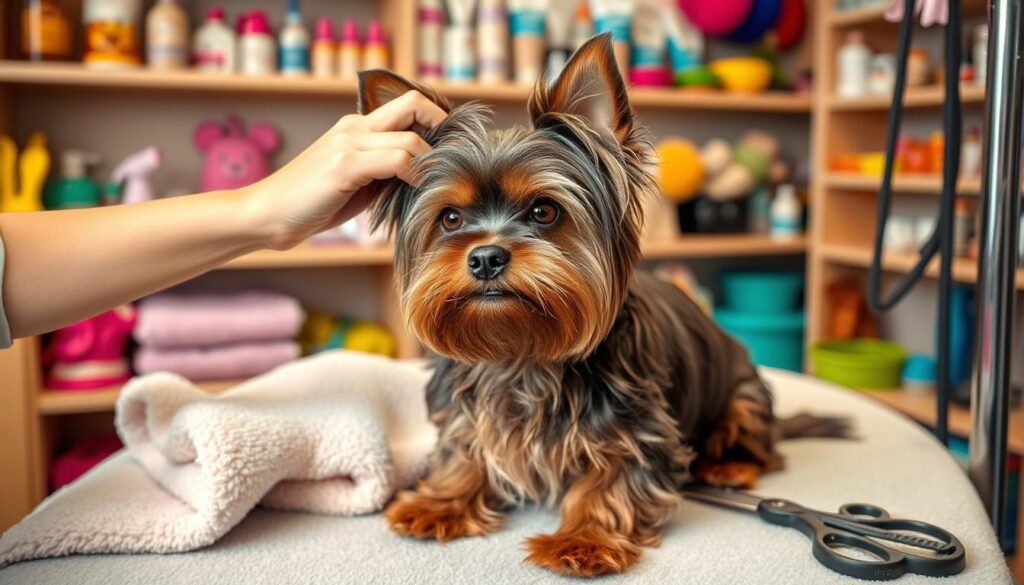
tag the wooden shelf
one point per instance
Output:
(874, 14)
(315, 255)
(904, 183)
(931, 96)
(921, 407)
(55, 402)
(965, 270)
(723, 245)
(75, 75)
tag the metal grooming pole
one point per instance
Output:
(997, 255)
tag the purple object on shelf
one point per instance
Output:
(225, 362)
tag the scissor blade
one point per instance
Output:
(729, 498)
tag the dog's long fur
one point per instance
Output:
(584, 385)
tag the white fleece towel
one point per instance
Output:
(337, 433)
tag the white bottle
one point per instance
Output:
(786, 211)
(853, 65)
(979, 53)
(215, 48)
(167, 32)
(257, 48)
(294, 54)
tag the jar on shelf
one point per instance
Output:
(45, 31)
(112, 33)
(918, 67)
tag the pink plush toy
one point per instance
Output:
(234, 158)
(91, 353)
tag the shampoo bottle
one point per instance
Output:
(528, 21)
(167, 31)
(582, 26)
(853, 63)
(257, 47)
(375, 51)
(111, 34)
(459, 46)
(294, 51)
(350, 51)
(45, 31)
(786, 212)
(492, 42)
(559, 35)
(74, 188)
(325, 50)
(431, 26)
(215, 48)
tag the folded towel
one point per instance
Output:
(336, 433)
(222, 362)
(186, 320)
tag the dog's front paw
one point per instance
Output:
(586, 552)
(413, 514)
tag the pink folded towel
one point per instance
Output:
(223, 362)
(188, 320)
(336, 433)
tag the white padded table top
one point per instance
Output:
(896, 465)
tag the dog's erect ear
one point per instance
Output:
(590, 86)
(378, 87)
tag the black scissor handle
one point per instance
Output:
(829, 532)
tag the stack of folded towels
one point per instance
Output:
(216, 336)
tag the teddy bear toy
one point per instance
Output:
(733, 172)
(234, 157)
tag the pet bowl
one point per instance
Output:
(868, 364)
(762, 292)
(698, 78)
(773, 339)
(743, 74)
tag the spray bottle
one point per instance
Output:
(134, 174)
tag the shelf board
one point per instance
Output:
(76, 75)
(903, 183)
(965, 270)
(921, 407)
(873, 14)
(931, 96)
(722, 245)
(55, 402)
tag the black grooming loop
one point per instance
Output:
(941, 239)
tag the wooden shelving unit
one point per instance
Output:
(921, 407)
(58, 402)
(965, 270)
(905, 183)
(930, 96)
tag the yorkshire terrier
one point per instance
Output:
(566, 377)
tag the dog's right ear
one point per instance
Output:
(380, 86)
(389, 200)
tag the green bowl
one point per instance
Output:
(861, 364)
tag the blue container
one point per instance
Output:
(775, 340)
(762, 292)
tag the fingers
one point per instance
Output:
(410, 109)
(382, 164)
(407, 141)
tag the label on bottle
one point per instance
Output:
(294, 58)
(617, 24)
(109, 41)
(528, 22)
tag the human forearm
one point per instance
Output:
(64, 266)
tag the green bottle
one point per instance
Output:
(74, 188)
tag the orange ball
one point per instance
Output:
(680, 173)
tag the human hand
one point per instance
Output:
(324, 186)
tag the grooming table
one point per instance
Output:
(896, 464)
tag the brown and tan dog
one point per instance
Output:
(567, 378)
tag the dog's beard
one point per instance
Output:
(543, 308)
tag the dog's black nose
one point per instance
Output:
(487, 262)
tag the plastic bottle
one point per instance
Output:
(582, 26)
(350, 51)
(294, 53)
(853, 63)
(45, 31)
(215, 47)
(375, 51)
(325, 49)
(431, 28)
(492, 42)
(167, 31)
(111, 34)
(962, 222)
(979, 53)
(786, 211)
(74, 188)
(257, 48)
(459, 43)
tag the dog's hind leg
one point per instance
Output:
(742, 446)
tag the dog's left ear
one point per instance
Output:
(590, 86)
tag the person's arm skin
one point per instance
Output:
(64, 266)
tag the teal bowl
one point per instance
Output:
(774, 340)
(762, 292)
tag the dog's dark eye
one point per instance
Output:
(544, 212)
(451, 219)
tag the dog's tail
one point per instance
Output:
(806, 425)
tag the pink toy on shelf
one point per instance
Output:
(91, 353)
(233, 157)
(134, 172)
